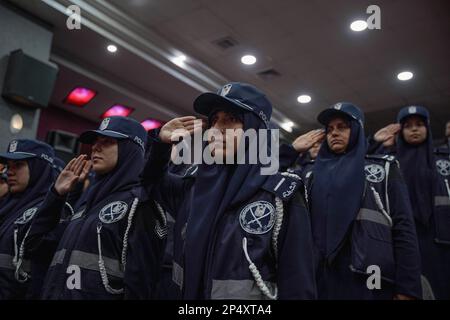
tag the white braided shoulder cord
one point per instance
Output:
(291, 175)
(277, 226)
(101, 263)
(306, 194)
(161, 231)
(256, 275)
(253, 269)
(70, 208)
(380, 205)
(162, 213)
(448, 188)
(20, 275)
(127, 230)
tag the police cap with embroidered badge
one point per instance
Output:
(345, 109)
(413, 111)
(235, 96)
(22, 149)
(118, 128)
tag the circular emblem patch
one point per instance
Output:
(27, 216)
(374, 173)
(443, 167)
(113, 212)
(257, 217)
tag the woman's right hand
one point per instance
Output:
(176, 128)
(305, 142)
(75, 171)
(387, 134)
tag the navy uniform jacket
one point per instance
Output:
(93, 260)
(282, 252)
(442, 198)
(15, 269)
(382, 234)
(434, 240)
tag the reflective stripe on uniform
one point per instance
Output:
(441, 201)
(89, 261)
(373, 216)
(6, 262)
(58, 257)
(239, 289)
(177, 274)
(427, 290)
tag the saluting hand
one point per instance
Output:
(306, 141)
(387, 134)
(176, 128)
(75, 171)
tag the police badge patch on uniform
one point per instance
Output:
(26, 216)
(443, 167)
(374, 173)
(113, 212)
(257, 217)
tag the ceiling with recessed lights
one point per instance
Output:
(303, 54)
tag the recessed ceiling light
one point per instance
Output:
(111, 48)
(248, 59)
(80, 96)
(117, 110)
(179, 60)
(358, 25)
(304, 98)
(405, 75)
(150, 124)
(287, 126)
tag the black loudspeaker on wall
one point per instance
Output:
(29, 81)
(65, 144)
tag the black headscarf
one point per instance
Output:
(123, 179)
(217, 189)
(419, 171)
(42, 175)
(337, 190)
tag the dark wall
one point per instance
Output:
(18, 31)
(53, 118)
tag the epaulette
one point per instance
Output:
(283, 184)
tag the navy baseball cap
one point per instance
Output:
(22, 149)
(346, 109)
(237, 96)
(119, 128)
(413, 111)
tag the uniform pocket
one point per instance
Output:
(372, 244)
